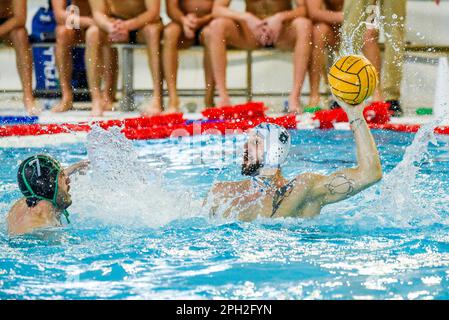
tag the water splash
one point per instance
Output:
(373, 21)
(120, 189)
(397, 195)
(397, 187)
(398, 201)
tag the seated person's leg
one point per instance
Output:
(110, 58)
(208, 74)
(95, 40)
(151, 35)
(297, 36)
(19, 39)
(174, 39)
(220, 33)
(65, 40)
(372, 52)
(320, 39)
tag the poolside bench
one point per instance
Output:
(127, 71)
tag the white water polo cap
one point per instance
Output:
(277, 143)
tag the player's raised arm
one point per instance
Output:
(77, 167)
(348, 182)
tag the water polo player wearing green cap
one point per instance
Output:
(45, 186)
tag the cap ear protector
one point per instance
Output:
(38, 179)
(277, 143)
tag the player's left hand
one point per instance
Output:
(80, 167)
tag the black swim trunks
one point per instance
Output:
(133, 37)
(198, 37)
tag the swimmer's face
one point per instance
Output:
(64, 199)
(253, 155)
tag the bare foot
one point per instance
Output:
(209, 96)
(224, 102)
(154, 108)
(30, 107)
(108, 101)
(63, 106)
(172, 110)
(108, 104)
(294, 105)
(314, 101)
(209, 102)
(34, 111)
(97, 109)
(173, 105)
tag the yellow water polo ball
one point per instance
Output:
(353, 79)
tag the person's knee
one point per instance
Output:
(153, 31)
(172, 33)
(320, 31)
(219, 26)
(93, 35)
(303, 25)
(64, 35)
(19, 35)
(206, 35)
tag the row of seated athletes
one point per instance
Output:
(312, 29)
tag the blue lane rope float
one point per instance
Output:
(5, 120)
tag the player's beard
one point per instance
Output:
(250, 169)
(63, 201)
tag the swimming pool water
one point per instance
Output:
(138, 232)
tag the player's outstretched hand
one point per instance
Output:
(80, 167)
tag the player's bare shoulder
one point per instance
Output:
(15, 215)
(306, 181)
(19, 206)
(228, 189)
(222, 192)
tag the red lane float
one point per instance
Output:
(226, 120)
(375, 113)
(40, 129)
(411, 128)
(241, 111)
(220, 121)
(199, 127)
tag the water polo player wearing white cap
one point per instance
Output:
(268, 194)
